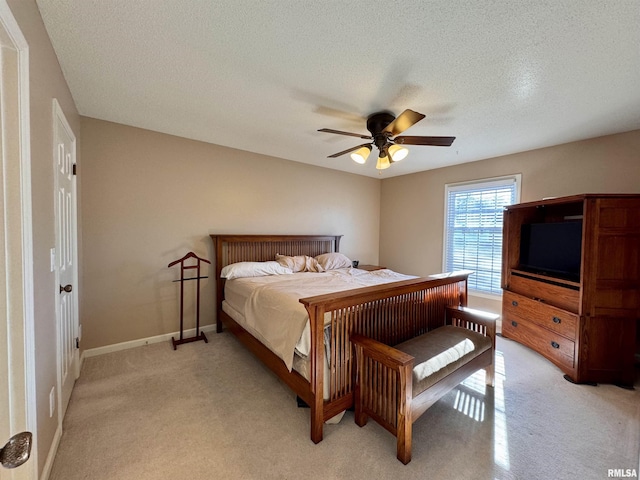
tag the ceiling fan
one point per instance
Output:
(384, 127)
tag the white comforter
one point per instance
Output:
(272, 311)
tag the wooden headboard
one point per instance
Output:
(261, 248)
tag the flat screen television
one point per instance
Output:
(552, 249)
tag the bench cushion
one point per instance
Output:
(440, 352)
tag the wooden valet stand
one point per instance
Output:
(199, 335)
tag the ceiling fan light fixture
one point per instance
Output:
(383, 162)
(397, 153)
(360, 156)
(384, 128)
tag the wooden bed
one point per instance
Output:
(390, 313)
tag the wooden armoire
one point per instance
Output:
(584, 321)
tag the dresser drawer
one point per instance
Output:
(552, 318)
(555, 347)
(561, 296)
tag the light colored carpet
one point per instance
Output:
(212, 411)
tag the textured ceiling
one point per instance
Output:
(265, 75)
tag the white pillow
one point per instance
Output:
(253, 269)
(331, 261)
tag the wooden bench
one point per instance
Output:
(395, 385)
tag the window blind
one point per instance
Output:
(473, 230)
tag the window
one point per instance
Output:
(473, 229)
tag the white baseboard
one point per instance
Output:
(51, 456)
(92, 352)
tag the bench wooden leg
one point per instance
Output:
(404, 439)
(359, 416)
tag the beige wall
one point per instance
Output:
(46, 83)
(149, 198)
(412, 206)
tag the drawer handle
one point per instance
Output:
(556, 320)
(555, 345)
(515, 324)
(514, 303)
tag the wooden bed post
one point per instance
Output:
(464, 295)
(405, 422)
(316, 323)
(217, 246)
(336, 243)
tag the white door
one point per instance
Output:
(17, 375)
(66, 256)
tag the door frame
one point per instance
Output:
(21, 324)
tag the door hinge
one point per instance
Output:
(77, 342)
(74, 169)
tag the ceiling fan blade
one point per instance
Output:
(359, 135)
(434, 141)
(405, 120)
(348, 150)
